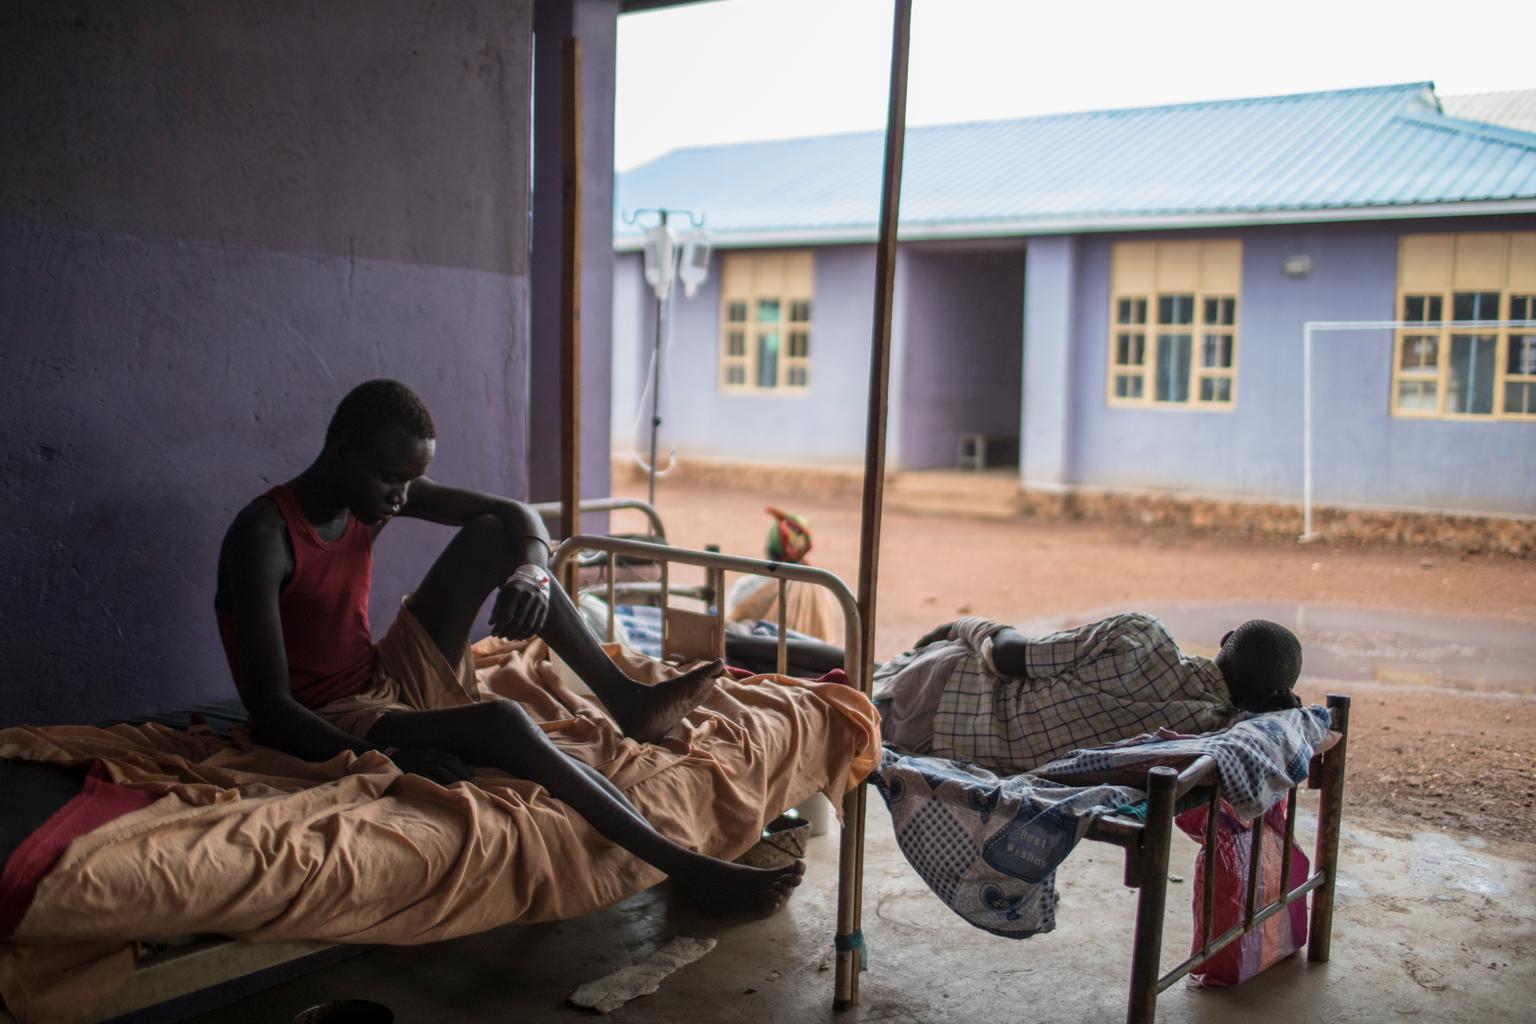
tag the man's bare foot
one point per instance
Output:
(735, 890)
(650, 711)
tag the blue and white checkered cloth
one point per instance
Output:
(1258, 759)
(989, 846)
(638, 626)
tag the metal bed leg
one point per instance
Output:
(1330, 812)
(850, 900)
(1147, 950)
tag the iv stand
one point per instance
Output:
(663, 296)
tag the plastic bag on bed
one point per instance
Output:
(1279, 936)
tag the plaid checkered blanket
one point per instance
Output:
(1081, 687)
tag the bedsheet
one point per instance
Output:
(252, 843)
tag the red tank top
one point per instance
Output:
(324, 609)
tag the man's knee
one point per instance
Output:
(515, 731)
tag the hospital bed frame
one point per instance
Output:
(704, 637)
(1146, 846)
(174, 979)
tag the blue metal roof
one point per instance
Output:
(1348, 154)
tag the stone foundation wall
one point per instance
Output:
(1471, 534)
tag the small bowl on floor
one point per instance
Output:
(782, 843)
(346, 1011)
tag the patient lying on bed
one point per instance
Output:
(980, 691)
(292, 602)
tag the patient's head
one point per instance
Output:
(1261, 662)
(379, 442)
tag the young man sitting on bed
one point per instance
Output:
(292, 603)
(979, 691)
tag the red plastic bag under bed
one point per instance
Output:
(1275, 939)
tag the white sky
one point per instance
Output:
(734, 70)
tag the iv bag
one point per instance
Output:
(694, 267)
(660, 260)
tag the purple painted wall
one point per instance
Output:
(964, 326)
(595, 24)
(1364, 456)
(824, 424)
(216, 220)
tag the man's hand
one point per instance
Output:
(522, 605)
(440, 766)
(934, 635)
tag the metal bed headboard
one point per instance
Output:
(551, 509)
(848, 941)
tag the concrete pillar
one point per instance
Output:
(1050, 285)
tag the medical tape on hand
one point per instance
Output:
(533, 576)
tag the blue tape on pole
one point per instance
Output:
(853, 941)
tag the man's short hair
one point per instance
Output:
(1261, 662)
(374, 406)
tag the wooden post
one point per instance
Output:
(570, 299)
(850, 938)
(1152, 900)
(1330, 820)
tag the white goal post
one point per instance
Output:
(1312, 327)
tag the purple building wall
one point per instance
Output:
(1070, 436)
(1364, 455)
(824, 424)
(965, 319)
(216, 220)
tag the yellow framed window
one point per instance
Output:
(1466, 372)
(765, 321)
(1174, 323)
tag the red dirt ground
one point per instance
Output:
(1418, 758)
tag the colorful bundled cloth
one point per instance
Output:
(989, 846)
(809, 609)
(1082, 687)
(789, 538)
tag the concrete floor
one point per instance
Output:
(1428, 927)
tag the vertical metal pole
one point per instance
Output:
(1330, 811)
(850, 909)
(1290, 838)
(1306, 431)
(783, 645)
(613, 571)
(1208, 893)
(570, 300)
(1152, 900)
(1255, 869)
(661, 336)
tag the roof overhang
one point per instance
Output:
(1098, 223)
(640, 6)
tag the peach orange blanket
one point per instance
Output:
(252, 843)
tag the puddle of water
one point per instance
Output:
(1344, 643)
(1442, 860)
(1349, 887)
